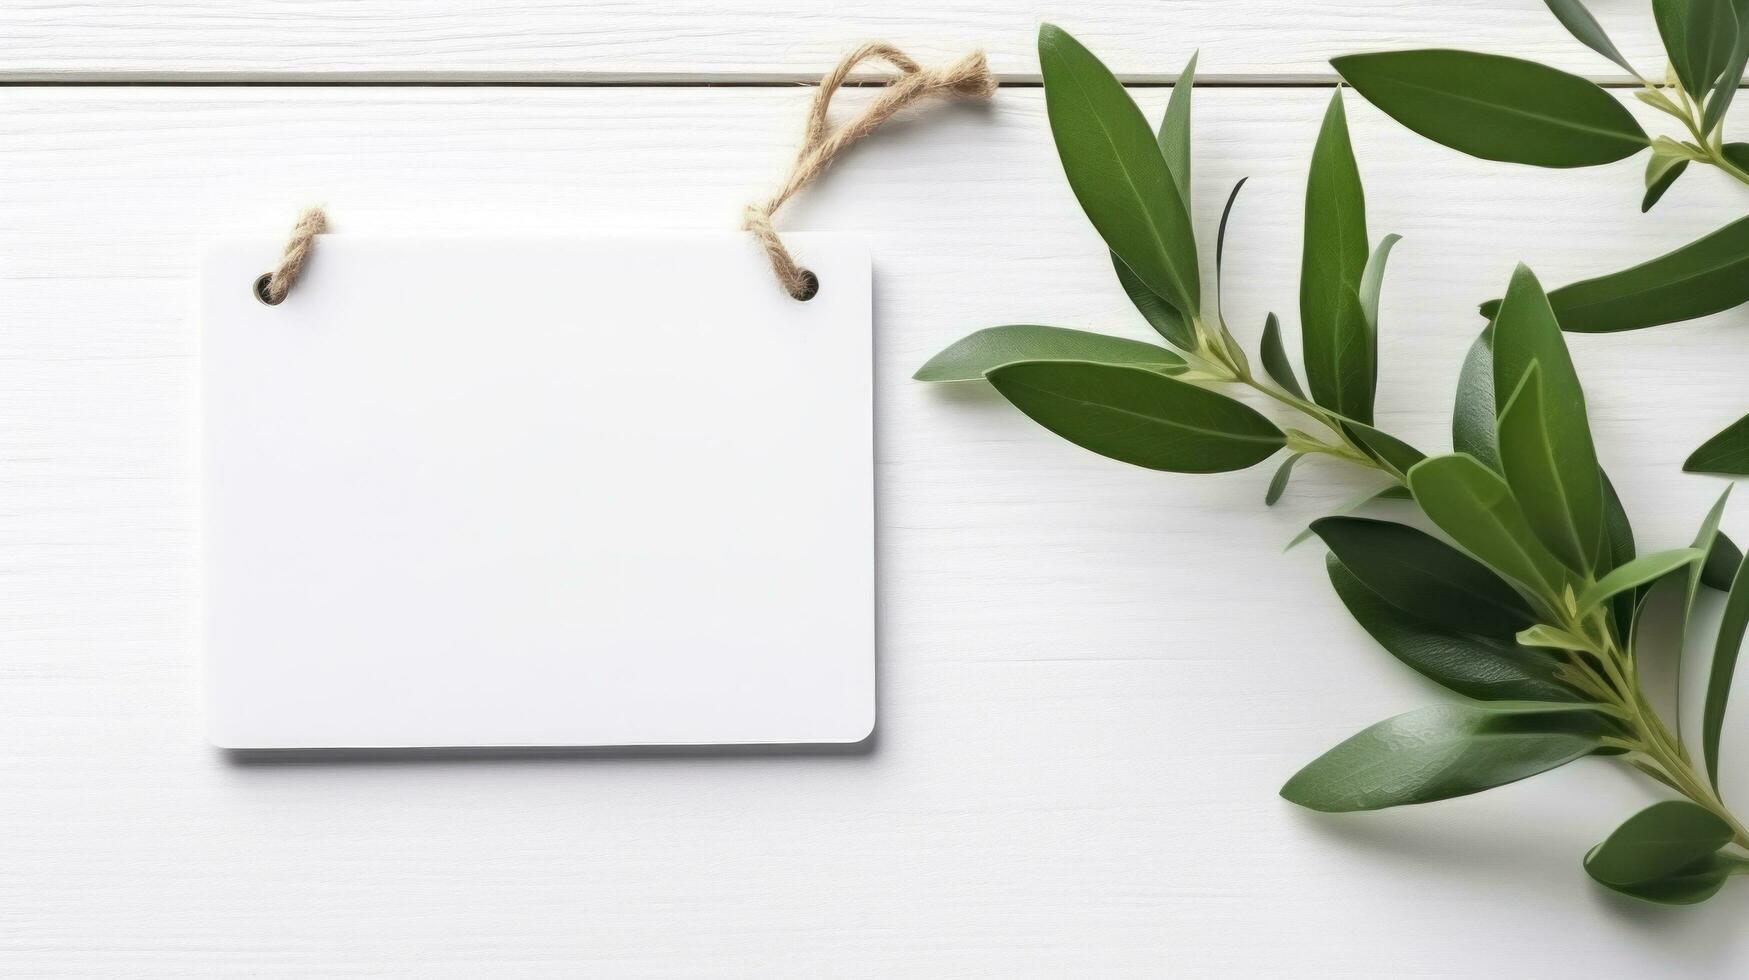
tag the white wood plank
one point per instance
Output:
(756, 39)
(1093, 678)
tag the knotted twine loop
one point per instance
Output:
(967, 78)
(273, 287)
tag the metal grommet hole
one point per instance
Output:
(810, 287)
(260, 290)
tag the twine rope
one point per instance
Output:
(967, 78)
(278, 284)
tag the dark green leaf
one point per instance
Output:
(1725, 90)
(1472, 418)
(1718, 688)
(1690, 886)
(973, 355)
(1472, 504)
(1139, 416)
(1721, 563)
(1579, 23)
(1480, 667)
(1699, 36)
(1661, 172)
(1563, 502)
(1737, 154)
(1618, 536)
(1545, 445)
(1714, 542)
(1372, 281)
(1278, 482)
(1117, 172)
(1165, 320)
(1659, 841)
(1396, 454)
(1700, 278)
(1339, 352)
(1439, 752)
(1221, 235)
(1174, 135)
(1727, 452)
(1275, 362)
(1640, 571)
(1495, 107)
(1425, 577)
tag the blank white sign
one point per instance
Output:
(566, 491)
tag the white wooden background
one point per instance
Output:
(1093, 678)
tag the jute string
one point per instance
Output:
(278, 283)
(967, 78)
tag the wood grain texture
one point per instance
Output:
(758, 40)
(1093, 678)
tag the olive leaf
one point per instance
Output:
(1703, 277)
(1278, 482)
(1582, 25)
(1139, 416)
(1447, 750)
(1724, 667)
(1174, 133)
(1166, 321)
(1274, 357)
(1425, 577)
(1543, 435)
(1487, 668)
(1666, 853)
(1662, 169)
(1700, 37)
(972, 356)
(1340, 354)
(1474, 505)
(1726, 453)
(1115, 167)
(1495, 107)
(1640, 571)
(1473, 414)
(1397, 456)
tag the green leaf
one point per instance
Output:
(1700, 37)
(1495, 107)
(1339, 352)
(1397, 455)
(1425, 577)
(1725, 90)
(1689, 886)
(1166, 321)
(1724, 666)
(1481, 667)
(1472, 504)
(1721, 563)
(1174, 137)
(1698, 279)
(1278, 482)
(970, 357)
(1545, 444)
(1221, 235)
(1708, 539)
(1443, 751)
(1661, 172)
(1561, 496)
(1472, 418)
(1726, 453)
(1391, 491)
(1553, 638)
(1640, 571)
(1372, 281)
(1139, 416)
(1117, 172)
(1579, 23)
(1619, 538)
(1660, 841)
(1275, 362)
